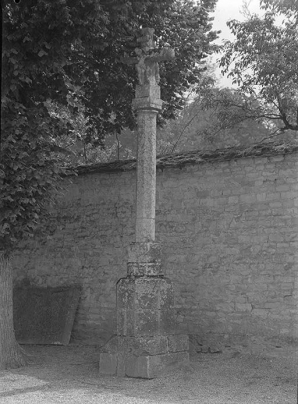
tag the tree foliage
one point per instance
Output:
(109, 84)
(286, 7)
(62, 72)
(262, 61)
(216, 118)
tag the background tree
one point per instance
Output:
(262, 61)
(65, 55)
(214, 119)
(263, 64)
(287, 7)
(73, 142)
(105, 85)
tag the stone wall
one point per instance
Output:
(229, 234)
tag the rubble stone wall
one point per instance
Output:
(229, 235)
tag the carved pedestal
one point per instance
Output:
(147, 338)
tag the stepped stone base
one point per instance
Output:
(143, 357)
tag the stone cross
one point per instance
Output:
(147, 104)
(147, 340)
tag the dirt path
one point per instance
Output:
(70, 375)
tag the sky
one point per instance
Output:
(229, 10)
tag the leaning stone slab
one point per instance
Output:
(45, 315)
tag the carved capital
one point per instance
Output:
(147, 103)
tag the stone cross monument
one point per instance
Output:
(147, 337)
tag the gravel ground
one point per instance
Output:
(69, 374)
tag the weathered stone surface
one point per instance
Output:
(108, 363)
(144, 269)
(142, 293)
(145, 307)
(147, 104)
(168, 322)
(144, 252)
(146, 176)
(126, 293)
(149, 367)
(215, 248)
(111, 346)
(143, 357)
(144, 259)
(178, 343)
(195, 344)
(147, 91)
(147, 322)
(143, 345)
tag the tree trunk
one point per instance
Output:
(11, 354)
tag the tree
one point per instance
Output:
(108, 84)
(212, 120)
(80, 45)
(67, 54)
(287, 7)
(263, 62)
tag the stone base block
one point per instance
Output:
(143, 357)
(108, 363)
(149, 367)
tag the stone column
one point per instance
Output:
(147, 104)
(144, 254)
(147, 334)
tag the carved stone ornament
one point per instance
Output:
(146, 59)
(147, 65)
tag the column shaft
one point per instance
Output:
(146, 176)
